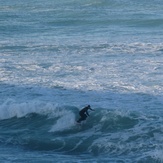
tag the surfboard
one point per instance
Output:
(78, 123)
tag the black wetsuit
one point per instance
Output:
(84, 114)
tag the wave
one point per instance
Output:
(91, 47)
(111, 132)
(59, 130)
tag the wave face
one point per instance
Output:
(105, 132)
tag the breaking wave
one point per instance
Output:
(53, 128)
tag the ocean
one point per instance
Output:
(58, 56)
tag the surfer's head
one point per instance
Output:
(89, 106)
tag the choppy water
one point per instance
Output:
(58, 56)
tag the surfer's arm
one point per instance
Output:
(92, 109)
(87, 113)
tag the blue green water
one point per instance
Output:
(58, 56)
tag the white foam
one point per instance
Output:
(66, 121)
(158, 155)
(11, 108)
(125, 67)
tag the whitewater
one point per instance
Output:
(56, 57)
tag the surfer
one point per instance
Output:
(84, 113)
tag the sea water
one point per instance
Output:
(58, 56)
